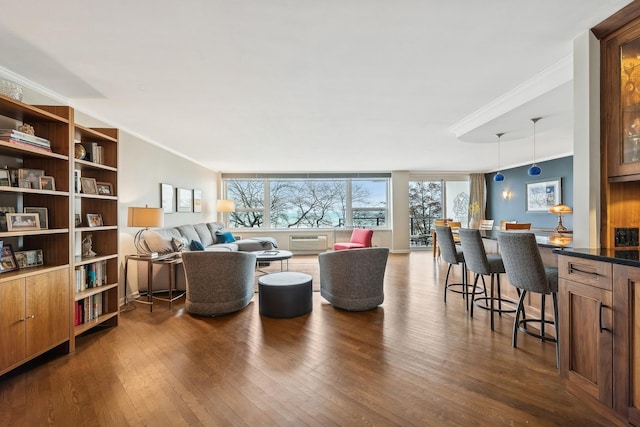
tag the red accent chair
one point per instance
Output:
(360, 238)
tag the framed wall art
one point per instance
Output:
(166, 198)
(197, 200)
(184, 198)
(542, 195)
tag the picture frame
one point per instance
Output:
(32, 176)
(94, 220)
(78, 220)
(26, 259)
(7, 259)
(43, 214)
(5, 178)
(197, 200)
(4, 210)
(47, 183)
(166, 198)
(104, 188)
(542, 195)
(88, 185)
(23, 183)
(23, 221)
(184, 199)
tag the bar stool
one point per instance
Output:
(454, 256)
(483, 264)
(526, 271)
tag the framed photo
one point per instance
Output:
(78, 220)
(184, 198)
(25, 259)
(4, 210)
(94, 220)
(32, 176)
(43, 213)
(47, 183)
(197, 200)
(7, 259)
(542, 195)
(23, 221)
(166, 198)
(5, 178)
(104, 188)
(89, 185)
(23, 183)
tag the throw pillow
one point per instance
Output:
(196, 246)
(225, 237)
(179, 244)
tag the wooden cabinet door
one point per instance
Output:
(12, 323)
(626, 301)
(586, 341)
(47, 311)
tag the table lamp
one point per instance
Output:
(225, 206)
(560, 210)
(144, 217)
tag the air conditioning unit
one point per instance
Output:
(308, 243)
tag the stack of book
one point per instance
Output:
(89, 309)
(91, 276)
(25, 139)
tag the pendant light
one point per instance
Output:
(498, 177)
(534, 170)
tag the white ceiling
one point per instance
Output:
(302, 85)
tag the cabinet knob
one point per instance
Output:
(31, 316)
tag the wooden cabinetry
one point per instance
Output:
(626, 291)
(96, 298)
(585, 310)
(34, 316)
(37, 304)
(619, 121)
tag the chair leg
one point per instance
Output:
(554, 297)
(543, 302)
(473, 292)
(492, 300)
(465, 284)
(499, 294)
(446, 283)
(516, 322)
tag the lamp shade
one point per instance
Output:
(145, 217)
(225, 206)
(561, 209)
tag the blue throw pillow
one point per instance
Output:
(225, 237)
(196, 246)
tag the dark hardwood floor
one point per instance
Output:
(414, 361)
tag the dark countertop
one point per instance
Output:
(623, 256)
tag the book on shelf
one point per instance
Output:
(25, 137)
(94, 151)
(89, 308)
(91, 276)
(29, 145)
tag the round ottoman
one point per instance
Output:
(286, 294)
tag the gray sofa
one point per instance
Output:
(164, 240)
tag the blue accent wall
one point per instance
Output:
(515, 181)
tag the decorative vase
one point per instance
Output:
(473, 223)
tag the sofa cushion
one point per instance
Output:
(189, 231)
(225, 237)
(213, 228)
(196, 246)
(159, 240)
(205, 235)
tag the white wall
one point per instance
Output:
(142, 167)
(586, 141)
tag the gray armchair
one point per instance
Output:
(218, 282)
(353, 280)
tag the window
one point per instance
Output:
(284, 202)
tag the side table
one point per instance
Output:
(171, 260)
